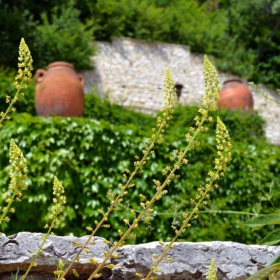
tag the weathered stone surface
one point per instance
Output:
(131, 72)
(192, 260)
(17, 251)
(189, 260)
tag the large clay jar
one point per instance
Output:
(59, 91)
(235, 95)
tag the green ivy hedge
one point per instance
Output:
(89, 156)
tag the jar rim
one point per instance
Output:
(233, 80)
(60, 63)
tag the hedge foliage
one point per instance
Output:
(90, 154)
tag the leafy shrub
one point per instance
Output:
(129, 18)
(57, 35)
(63, 37)
(241, 126)
(253, 37)
(14, 24)
(175, 22)
(90, 155)
(102, 109)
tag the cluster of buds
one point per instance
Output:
(21, 80)
(18, 175)
(211, 85)
(59, 200)
(24, 66)
(212, 274)
(170, 100)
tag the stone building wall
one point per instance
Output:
(131, 72)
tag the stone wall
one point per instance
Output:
(190, 261)
(131, 72)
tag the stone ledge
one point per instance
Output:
(234, 261)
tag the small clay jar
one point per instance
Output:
(59, 91)
(235, 95)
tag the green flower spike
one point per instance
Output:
(18, 175)
(170, 100)
(59, 200)
(211, 85)
(211, 274)
(21, 80)
(24, 66)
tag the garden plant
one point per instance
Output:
(18, 172)
(178, 160)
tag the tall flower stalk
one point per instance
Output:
(224, 156)
(56, 210)
(18, 172)
(18, 175)
(212, 88)
(170, 99)
(21, 80)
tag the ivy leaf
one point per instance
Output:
(261, 221)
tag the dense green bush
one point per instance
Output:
(242, 127)
(89, 156)
(63, 37)
(102, 109)
(175, 22)
(56, 34)
(253, 40)
(243, 36)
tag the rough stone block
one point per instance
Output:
(234, 261)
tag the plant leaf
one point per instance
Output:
(265, 272)
(261, 221)
(272, 238)
(276, 261)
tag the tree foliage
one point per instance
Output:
(243, 35)
(54, 34)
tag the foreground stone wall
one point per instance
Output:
(131, 72)
(234, 261)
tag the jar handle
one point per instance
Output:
(39, 75)
(82, 79)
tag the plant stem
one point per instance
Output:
(151, 202)
(7, 207)
(202, 212)
(11, 104)
(185, 224)
(38, 251)
(116, 201)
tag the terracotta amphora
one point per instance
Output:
(234, 95)
(59, 91)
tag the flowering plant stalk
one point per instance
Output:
(170, 100)
(21, 80)
(212, 88)
(18, 172)
(263, 94)
(212, 274)
(59, 200)
(18, 175)
(224, 156)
